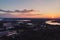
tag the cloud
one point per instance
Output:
(24, 11)
(18, 11)
(1, 10)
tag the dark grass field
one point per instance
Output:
(36, 30)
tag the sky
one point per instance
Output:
(45, 7)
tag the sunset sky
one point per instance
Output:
(40, 8)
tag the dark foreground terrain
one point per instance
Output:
(28, 29)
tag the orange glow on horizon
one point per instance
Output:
(36, 15)
(53, 15)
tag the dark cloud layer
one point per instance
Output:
(20, 11)
(5, 10)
